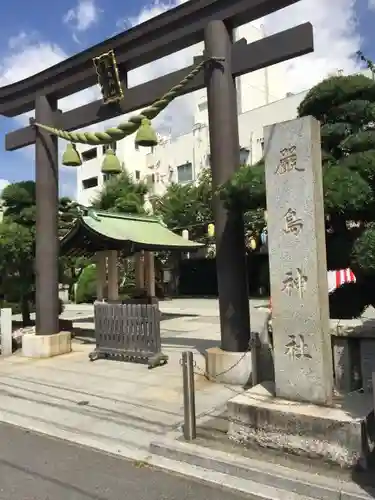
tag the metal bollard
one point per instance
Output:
(190, 425)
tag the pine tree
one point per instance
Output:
(345, 106)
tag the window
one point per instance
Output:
(91, 182)
(89, 154)
(137, 175)
(262, 145)
(244, 156)
(112, 145)
(150, 179)
(202, 106)
(106, 177)
(185, 172)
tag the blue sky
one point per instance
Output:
(33, 36)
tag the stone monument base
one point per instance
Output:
(342, 434)
(46, 346)
(234, 368)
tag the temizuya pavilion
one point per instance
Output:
(102, 235)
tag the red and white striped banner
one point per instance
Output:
(339, 278)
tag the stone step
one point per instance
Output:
(252, 490)
(287, 482)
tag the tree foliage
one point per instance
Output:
(17, 245)
(187, 206)
(86, 285)
(17, 283)
(247, 188)
(345, 106)
(19, 202)
(71, 268)
(121, 194)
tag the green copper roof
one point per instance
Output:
(111, 231)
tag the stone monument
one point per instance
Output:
(297, 257)
(297, 412)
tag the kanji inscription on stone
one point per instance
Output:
(293, 223)
(297, 348)
(294, 282)
(288, 161)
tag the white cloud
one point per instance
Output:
(29, 54)
(336, 43)
(82, 17)
(26, 56)
(335, 46)
(371, 4)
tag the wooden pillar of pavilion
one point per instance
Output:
(139, 271)
(113, 294)
(150, 273)
(101, 275)
(145, 272)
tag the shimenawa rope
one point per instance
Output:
(127, 128)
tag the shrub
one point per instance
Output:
(86, 286)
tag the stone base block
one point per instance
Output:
(342, 434)
(46, 346)
(234, 368)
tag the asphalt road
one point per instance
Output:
(33, 466)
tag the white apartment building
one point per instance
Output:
(263, 100)
(183, 158)
(180, 159)
(90, 179)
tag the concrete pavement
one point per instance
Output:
(117, 407)
(192, 306)
(36, 467)
(120, 408)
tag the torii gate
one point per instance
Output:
(210, 20)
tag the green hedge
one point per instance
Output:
(86, 286)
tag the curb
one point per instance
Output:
(260, 474)
(251, 489)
